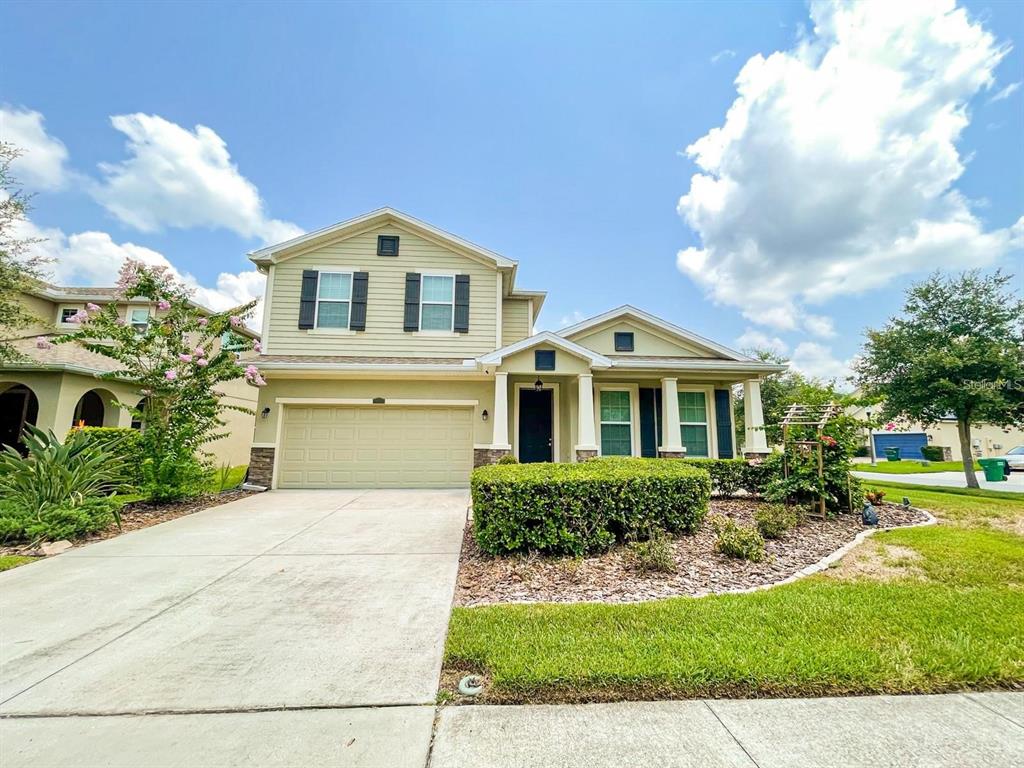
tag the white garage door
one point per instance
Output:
(375, 447)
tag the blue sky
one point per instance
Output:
(555, 134)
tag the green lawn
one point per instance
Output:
(953, 623)
(969, 506)
(13, 561)
(909, 466)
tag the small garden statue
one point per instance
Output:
(869, 516)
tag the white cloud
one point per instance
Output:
(575, 317)
(725, 53)
(42, 163)
(174, 177)
(1004, 93)
(752, 339)
(817, 360)
(833, 172)
(94, 259)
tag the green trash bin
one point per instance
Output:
(994, 469)
(892, 454)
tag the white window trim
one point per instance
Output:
(438, 331)
(130, 310)
(634, 413)
(709, 414)
(555, 422)
(316, 308)
(60, 312)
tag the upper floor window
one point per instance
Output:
(623, 341)
(66, 313)
(387, 245)
(333, 299)
(138, 318)
(437, 303)
(231, 342)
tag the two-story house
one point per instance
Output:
(57, 386)
(399, 355)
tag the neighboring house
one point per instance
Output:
(399, 355)
(987, 440)
(57, 388)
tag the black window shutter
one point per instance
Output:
(723, 422)
(412, 301)
(462, 303)
(360, 286)
(307, 301)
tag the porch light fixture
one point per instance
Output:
(265, 412)
(538, 385)
(484, 415)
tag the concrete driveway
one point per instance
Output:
(225, 625)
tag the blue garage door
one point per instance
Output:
(909, 443)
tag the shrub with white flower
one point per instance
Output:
(177, 363)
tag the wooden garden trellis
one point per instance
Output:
(816, 416)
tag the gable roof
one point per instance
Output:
(272, 254)
(627, 311)
(551, 339)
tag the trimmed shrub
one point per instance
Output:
(653, 555)
(123, 440)
(508, 458)
(933, 452)
(773, 520)
(582, 508)
(56, 522)
(727, 475)
(740, 541)
(174, 478)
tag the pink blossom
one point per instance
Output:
(259, 381)
(251, 372)
(171, 375)
(202, 362)
(257, 347)
(235, 321)
(92, 307)
(203, 321)
(185, 358)
(890, 427)
(79, 317)
(199, 351)
(163, 304)
(42, 343)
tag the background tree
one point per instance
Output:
(177, 360)
(958, 349)
(18, 269)
(779, 391)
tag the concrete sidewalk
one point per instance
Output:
(955, 730)
(1015, 483)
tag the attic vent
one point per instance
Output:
(623, 341)
(387, 245)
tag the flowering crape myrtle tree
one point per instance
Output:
(177, 361)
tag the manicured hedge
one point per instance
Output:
(933, 452)
(127, 445)
(582, 508)
(731, 475)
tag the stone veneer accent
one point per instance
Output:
(482, 456)
(585, 455)
(755, 456)
(261, 466)
(671, 454)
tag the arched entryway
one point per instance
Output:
(90, 410)
(18, 407)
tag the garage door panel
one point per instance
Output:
(384, 447)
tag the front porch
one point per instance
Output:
(564, 417)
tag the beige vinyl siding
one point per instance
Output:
(515, 321)
(645, 342)
(384, 335)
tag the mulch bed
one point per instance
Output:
(700, 570)
(142, 514)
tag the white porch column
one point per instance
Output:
(499, 439)
(671, 439)
(587, 440)
(755, 440)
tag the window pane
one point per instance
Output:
(615, 440)
(615, 406)
(695, 440)
(140, 315)
(436, 317)
(692, 407)
(335, 286)
(437, 288)
(332, 314)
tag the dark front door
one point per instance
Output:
(536, 409)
